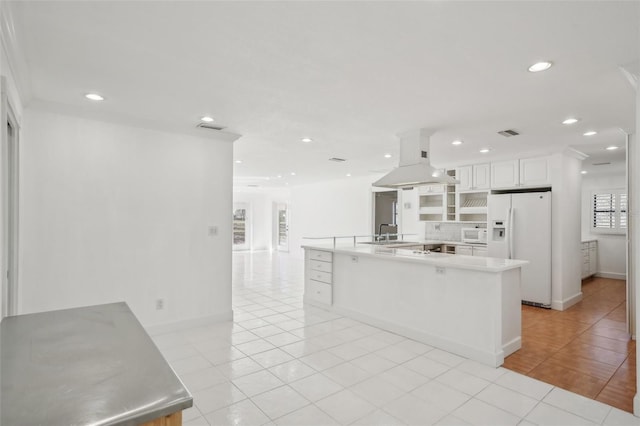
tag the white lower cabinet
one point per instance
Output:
(465, 250)
(319, 292)
(472, 251)
(589, 258)
(480, 251)
(318, 277)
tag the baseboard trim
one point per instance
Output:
(170, 327)
(612, 275)
(485, 357)
(561, 305)
(512, 346)
(636, 405)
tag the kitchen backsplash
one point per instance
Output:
(448, 231)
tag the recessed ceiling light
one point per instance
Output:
(590, 133)
(268, 178)
(307, 140)
(571, 120)
(612, 148)
(387, 156)
(456, 142)
(540, 66)
(238, 161)
(293, 173)
(485, 150)
(94, 97)
(348, 174)
(584, 172)
(279, 176)
(206, 119)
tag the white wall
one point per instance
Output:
(116, 213)
(612, 248)
(261, 212)
(566, 255)
(340, 207)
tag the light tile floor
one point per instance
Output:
(281, 363)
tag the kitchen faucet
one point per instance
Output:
(386, 236)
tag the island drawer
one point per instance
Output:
(325, 256)
(317, 265)
(320, 292)
(324, 277)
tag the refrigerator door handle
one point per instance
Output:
(512, 215)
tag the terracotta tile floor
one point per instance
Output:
(584, 349)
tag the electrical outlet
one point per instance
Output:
(354, 259)
(159, 304)
(439, 270)
(213, 231)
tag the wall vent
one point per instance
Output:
(602, 164)
(508, 133)
(337, 160)
(210, 126)
(253, 185)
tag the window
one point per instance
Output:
(609, 209)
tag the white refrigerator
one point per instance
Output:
(519, 227)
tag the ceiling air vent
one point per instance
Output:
(210, 126)
(602, 164)
(508, 133)
(337, 160)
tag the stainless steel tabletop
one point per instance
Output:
(86, 366)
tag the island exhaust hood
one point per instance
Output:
(414, 168)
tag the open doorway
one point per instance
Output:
(385, 213)
(587, 348)
(281, 218)
(241, 226)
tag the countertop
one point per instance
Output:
(436, 242)
(484, 264)
(86, 366)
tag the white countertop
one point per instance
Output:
(449, 243)
(477, 263)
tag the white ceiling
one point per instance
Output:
(350, 75)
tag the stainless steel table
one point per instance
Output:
(87, 366)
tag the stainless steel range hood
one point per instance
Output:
(414, 168)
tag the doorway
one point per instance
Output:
(241, 226)
(385, 213)
(282, 227)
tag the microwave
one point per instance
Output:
(474, 235)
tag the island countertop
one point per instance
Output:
(85, 366)
(484, 264)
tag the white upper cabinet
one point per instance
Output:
(481, 176)
(523, 172)
(473, 177)
(534, 171)
(463, 174)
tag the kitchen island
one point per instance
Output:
(466, 305)
(86, 366)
